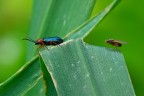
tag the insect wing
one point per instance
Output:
(121, 42)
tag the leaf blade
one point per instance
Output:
(58, 19)
(23, 80)
(79, 69)
(48, 83)
(83, 30)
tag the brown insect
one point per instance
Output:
(115, 42)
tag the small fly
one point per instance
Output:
(46, 41)
(115, 43)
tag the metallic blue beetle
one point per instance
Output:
(46, 41)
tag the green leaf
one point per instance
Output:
(79, 69)
(49, 86)
(83, 30)
(37, 90)
(23, 80)
(57, 18)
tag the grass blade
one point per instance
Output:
(37, 90)
(57, 18)
(83, 30)
(79, 69)
(23, 80)
(48, 83)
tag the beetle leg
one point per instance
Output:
(57, 44)
(46, 47)
(39, 46)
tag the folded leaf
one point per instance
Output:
(79, 69)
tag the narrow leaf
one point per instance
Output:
(79, 69)
(83, 30)
(57, 18)
(49, 86)
(37, 90)
(23, 80)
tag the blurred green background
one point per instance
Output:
(124, 23)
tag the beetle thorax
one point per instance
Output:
(39, 41)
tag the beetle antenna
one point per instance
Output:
(29, 39)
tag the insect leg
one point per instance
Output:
(57, 44)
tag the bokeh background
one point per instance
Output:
(125, 23)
